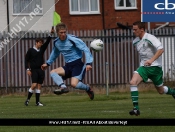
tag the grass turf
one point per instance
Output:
(76, 106)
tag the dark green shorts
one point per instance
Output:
(154, 73)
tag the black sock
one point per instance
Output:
(29, 95)
(37, 97)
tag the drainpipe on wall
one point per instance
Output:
(103, 15)
(167, 23)
(8, 28)
(149, 26)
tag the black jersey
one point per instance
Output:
(34, 59)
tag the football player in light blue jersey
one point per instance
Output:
(71, 48)
(150, 50)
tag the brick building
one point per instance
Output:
(107, 15)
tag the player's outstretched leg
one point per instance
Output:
(173, 92)
(58, 80)
(61, 91)
(169, 91)
(90, 93)
(87, 88)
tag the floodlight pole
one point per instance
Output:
(6, 56)
(107, 79)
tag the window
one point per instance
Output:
(79, 7)
(25, 7)
(125, 4)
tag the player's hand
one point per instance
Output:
(148, 63)
(44, 67)
(29, 72)
(88, 67)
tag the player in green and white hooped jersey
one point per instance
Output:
(150, 50)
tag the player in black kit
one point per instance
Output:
(33, 61)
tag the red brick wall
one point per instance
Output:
(125, 17)
(78, 22)
(95, 22)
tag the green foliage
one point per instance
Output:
(114, 106)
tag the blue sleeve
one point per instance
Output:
(54, 54)
(82, 46)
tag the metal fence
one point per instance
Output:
(119, 53)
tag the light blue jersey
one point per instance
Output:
(71, 49)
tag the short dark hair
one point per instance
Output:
(140, 24)
(39, 40)
(61, 26)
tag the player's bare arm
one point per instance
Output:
(156, 56)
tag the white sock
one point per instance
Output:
(30, 90)
(37, 91)
(165, 89)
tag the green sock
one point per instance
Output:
(171, 91)
(135, 96)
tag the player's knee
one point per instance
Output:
(34, 86)
(73, 84)
(52, 71)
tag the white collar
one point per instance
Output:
(36, 49)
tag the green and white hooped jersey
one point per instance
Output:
(147, 47)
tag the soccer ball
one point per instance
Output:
(97, 45)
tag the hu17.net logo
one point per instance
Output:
(158, 11)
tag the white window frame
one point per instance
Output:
(29, 12)
(83, 13)
(124, 7)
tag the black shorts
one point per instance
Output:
(75, 69)
(37, 76)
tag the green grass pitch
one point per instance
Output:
(78, 105)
